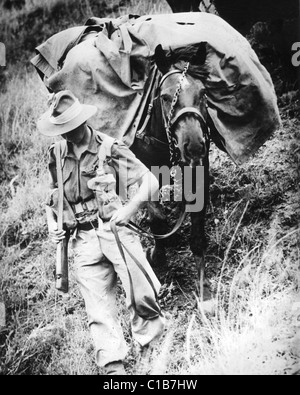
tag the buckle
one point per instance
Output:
(78, 208)
(90, 205)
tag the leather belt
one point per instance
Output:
(88, 225)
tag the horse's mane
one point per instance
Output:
(180, 56)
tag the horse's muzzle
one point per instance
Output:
(193, 156)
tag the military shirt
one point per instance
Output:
(127, 169)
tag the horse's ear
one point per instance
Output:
(161, 60)
(200, 57)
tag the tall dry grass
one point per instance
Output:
(23, 156)
(252, 328)
(255, 331)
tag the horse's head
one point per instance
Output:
(183, 102)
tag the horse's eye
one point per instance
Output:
(166, 98)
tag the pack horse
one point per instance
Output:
(177, 134)
(171, 85)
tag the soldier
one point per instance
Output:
(98, 260)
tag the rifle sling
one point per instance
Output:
(60, 187)
(61, 272)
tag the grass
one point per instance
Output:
(254, 332)
(253, 254)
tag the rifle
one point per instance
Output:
(62, 267)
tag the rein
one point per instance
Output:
(122, 248)
(140, 231)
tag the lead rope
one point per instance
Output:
(122, 247)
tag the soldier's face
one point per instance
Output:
(76, 136)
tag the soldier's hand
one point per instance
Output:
(123, 216)
(56, 235)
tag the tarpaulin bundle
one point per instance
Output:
(107, 63)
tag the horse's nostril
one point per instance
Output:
(194, 152)
(202, 147)
(186, 151)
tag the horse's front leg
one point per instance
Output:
(198, 240)
(158, 225)
(198, 246)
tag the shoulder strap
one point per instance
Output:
(105, 148)
(59, 147)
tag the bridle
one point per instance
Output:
(171, 121)
(169, 124)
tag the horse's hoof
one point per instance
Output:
(208, 307)
(207, 293)
(156, 257)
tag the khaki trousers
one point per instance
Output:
(98, 262)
